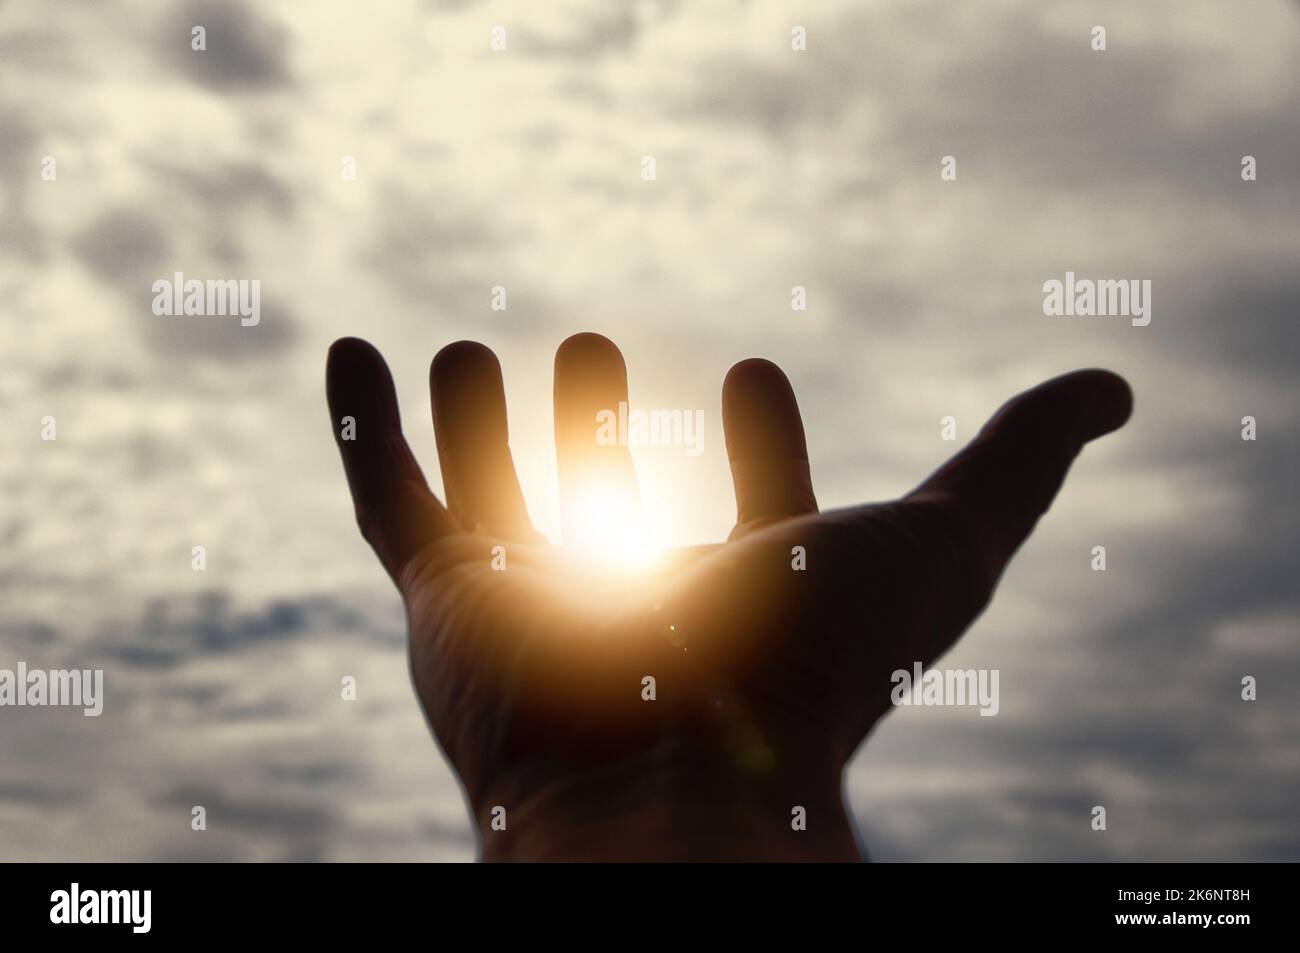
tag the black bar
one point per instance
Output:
(229, 903)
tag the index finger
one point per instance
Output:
(395, 510)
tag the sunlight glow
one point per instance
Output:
(613, 532)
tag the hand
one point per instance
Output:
(766, 677)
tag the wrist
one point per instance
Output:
(636, 810)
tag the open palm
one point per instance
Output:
(682, 710)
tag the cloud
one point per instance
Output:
(130, 250)
(38, 795)
(176, 630)
(1245, 314)
(284, 818)
(611, 30)
(438, 251)
(245, 52)
(224, 187)
(123, 247)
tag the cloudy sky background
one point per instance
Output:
(522, 169)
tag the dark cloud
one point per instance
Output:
(21, 235)
(591, 33)
(459, 836)
(1247, 314)
(130, 250)
(26, 634)
(73, 375)
(285, 819)
(1183, 766)
(245, 52)
(206, 852)
(22, 238)
(18, 141)
(778, 100)
(34, 49)
(220, 338)
(123, 247)
(1013, 102)
(611, 31)
(269, 709)
(1046, 110)
(1233, 579)
(197, 696)
(179, 629)
(37, 795)
(312, 773)
(438, 252)
(225, 187)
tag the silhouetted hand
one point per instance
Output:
(766, 677)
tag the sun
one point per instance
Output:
(608, 529)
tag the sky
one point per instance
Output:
(521, 168)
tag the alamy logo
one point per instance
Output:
(216, 296)
(653, 428)
(77, 688)
(947, 687)
(1106, 296)
(75, 905)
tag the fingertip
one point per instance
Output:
(357, 380)
(758, 406)
(765, 443)
(1109, 402)
(348, 346)
(757, 390)
(753, 370)
(456, 358)
(468, 396)
(349, 357)
(590, 375)
(1078, 407)
(587, 349)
